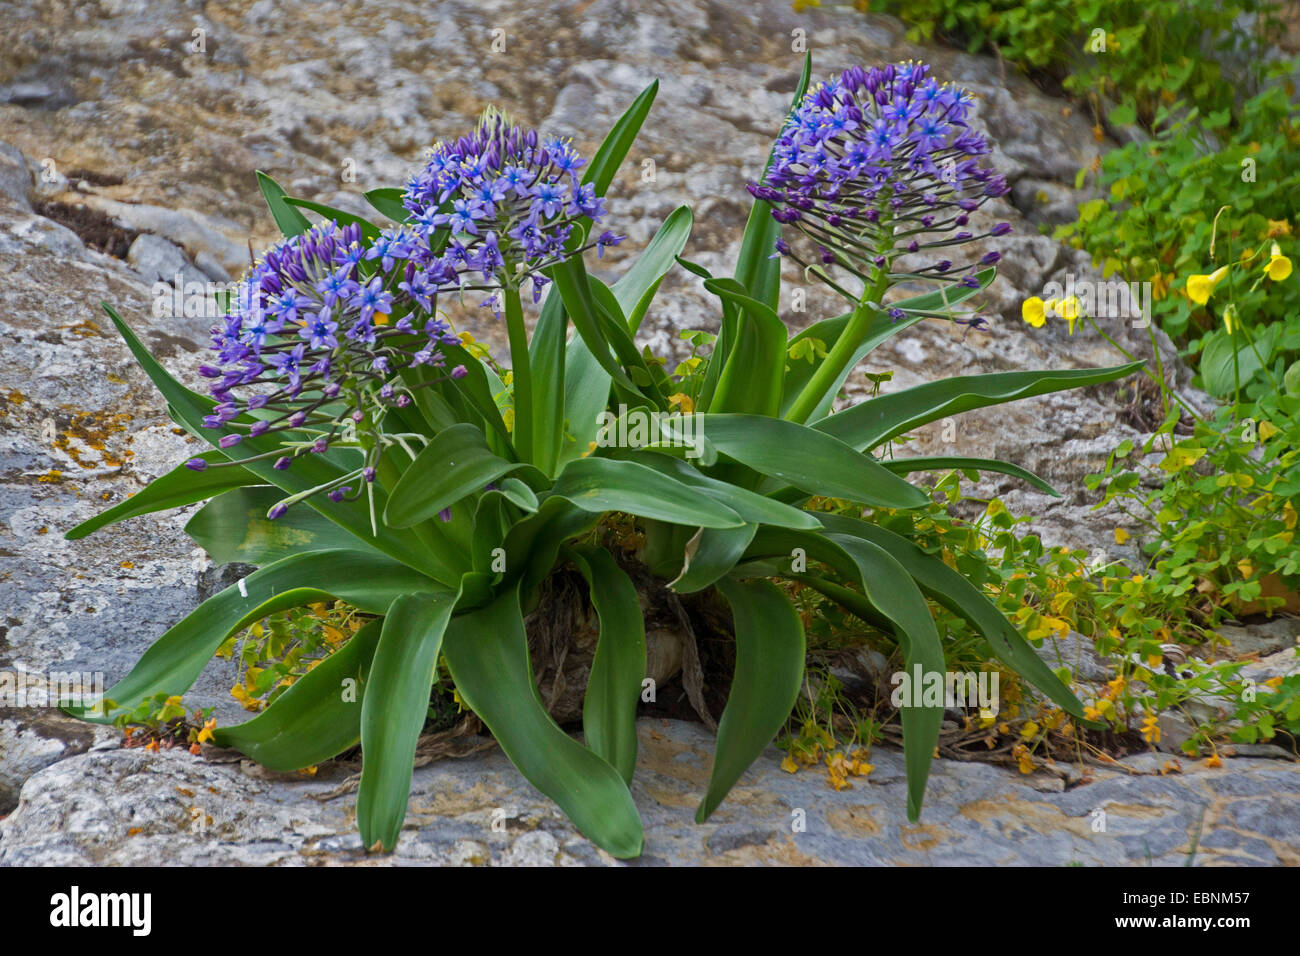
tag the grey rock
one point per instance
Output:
(158, 260)
(1261, 639)
(15, 177)
(125, 807)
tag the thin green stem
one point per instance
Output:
(841, 354)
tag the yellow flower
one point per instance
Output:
(1121, 535)
(1031, 310)
(1277, 228)
(788, 764)
(1159, 286)
(1229, 318)
(1067, 309)
(1279, 266)
(1151, 729)
(682, 402)
(1201, 287)
(206, 733)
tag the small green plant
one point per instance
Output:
(274, 653)
(1130, 60)
(1205, 213)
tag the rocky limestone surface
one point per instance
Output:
(115, 807)
(132, 131)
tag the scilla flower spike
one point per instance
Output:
(875, 164)
(308, 350)
(504, 206)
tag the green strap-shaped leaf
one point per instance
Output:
(636, 287)
(711, 554)
(877, 420)
(907, 466)
(951, 589)
(533, 543)
(487, 653)
(368, 229)
(178, 487)
(753, 377)
(614, 684)
(891, 590)
(800, 455)
(604, 484)
(389, 202)
(547, 361)
(769, 669)
(308, 471)
(609, 156)
(290, 220)
(394, 709)
(750, 505)
(456, 463)
(882, 329)
(234, 527)
(756, 270)
(317, 718)
(175, 660)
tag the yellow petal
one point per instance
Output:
(1031, 310)
(1278, 268)
(1121, 535)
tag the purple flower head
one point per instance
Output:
(876, 163)
(509, 201)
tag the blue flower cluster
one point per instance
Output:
(321, 328)
(309, 346)
(505, 204)
(879, 162)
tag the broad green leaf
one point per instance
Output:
(571, 283)
(177, 658)
(751, 506)
(609, 156)
(877, 420)
(394, 709)
(290, 220)
(710, 555)
(951, 589)
(798, 454)
(547, 361)
(532, 544)
(636, 287)
(389, 202)
(907, 466)
(753, 377)
(178, 487)
(487, 654)
(891, 590)
(604, 484)
(234, 527)
(614, 684)
(756, 270)
(455, 464)
(368, 229)
(769, 669)
(317, 718)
